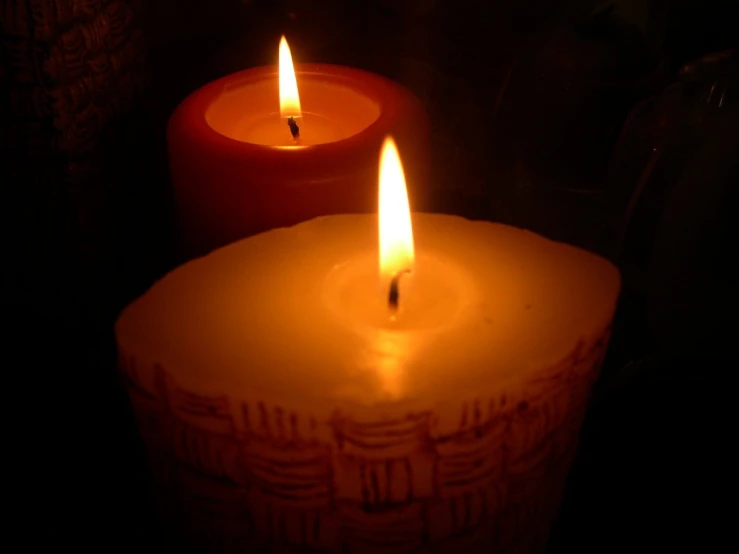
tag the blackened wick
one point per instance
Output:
(294, 129)
(394, 295)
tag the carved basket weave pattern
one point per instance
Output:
(256, 477)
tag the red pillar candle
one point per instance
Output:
(237, 170)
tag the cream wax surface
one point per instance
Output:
(299, 315)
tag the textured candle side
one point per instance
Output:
(486, 472)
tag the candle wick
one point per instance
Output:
(394, 295)
(294, 129)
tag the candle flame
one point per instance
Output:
(289, 98)
(396, 232)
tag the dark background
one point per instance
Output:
(602, 124)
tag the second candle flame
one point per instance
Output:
(289, 98)
(396, 233)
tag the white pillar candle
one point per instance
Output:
(287, 407)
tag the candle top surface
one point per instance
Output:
(248, 110)
(297, 312)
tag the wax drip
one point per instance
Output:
(393, 297)
(294, 129)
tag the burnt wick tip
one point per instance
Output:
(393, 297)
(394, 294)
(294, 129)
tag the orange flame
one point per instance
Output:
(396, 233)
(289, 98)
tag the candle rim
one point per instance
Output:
(383, 92)
(592, 334)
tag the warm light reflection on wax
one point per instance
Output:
(391, 348)
(289, 97)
